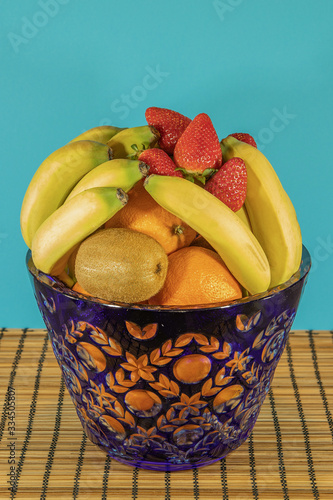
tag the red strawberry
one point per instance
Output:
(245, 138)
(159, 162)
(169, 124)
(198, 149)
(229, 183)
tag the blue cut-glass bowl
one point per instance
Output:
(168, 388)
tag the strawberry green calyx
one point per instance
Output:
(202, 178)
(123, 142)
(137, 151)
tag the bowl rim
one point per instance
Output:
(56, 285)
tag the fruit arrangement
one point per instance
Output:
(163, 214)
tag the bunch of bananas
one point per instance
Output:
(76, 190)
(84, 183)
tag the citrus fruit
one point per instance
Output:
(78, 288)
(142, 213)
(196, 275)
(200, 241)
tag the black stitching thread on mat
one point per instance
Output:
(2, 331)
(305, 430)
(135, 483)
(223, 469)
(12, 378)
(318, 377)
(32, 412)
(107, 466)
(79, 463)
(253, 472)
(282, 469)
(53, 445)
(195, 483)
(167, 478)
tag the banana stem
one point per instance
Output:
(122, 196)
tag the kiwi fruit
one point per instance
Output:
(122, 265)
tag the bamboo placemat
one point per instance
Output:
(288, 456)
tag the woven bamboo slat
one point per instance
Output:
(289, 455)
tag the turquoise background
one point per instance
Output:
(263, 67)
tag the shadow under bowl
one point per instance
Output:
(168, 388)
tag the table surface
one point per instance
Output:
(289, 454)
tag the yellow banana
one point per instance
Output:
(65, 277)
(143, 137)
(114, 173)
(70, 266)
(100, 134)
(219, 225)
(65, 228)
(54, 180)
(244, 216)
(271, 212)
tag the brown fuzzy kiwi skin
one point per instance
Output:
(121, 265)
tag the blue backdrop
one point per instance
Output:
(263, 67)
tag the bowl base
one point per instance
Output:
(164, 466)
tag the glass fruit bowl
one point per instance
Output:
(166, 388)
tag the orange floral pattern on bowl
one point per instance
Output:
(168, 389)
(117, 394)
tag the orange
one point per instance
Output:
(78, 288)
(142, 213)
(196, 275)
(200, 241)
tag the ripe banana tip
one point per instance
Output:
(144, 168)
(223, 149)
(155, 132)
(146, 181)
(226, 143)
(122, 196)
